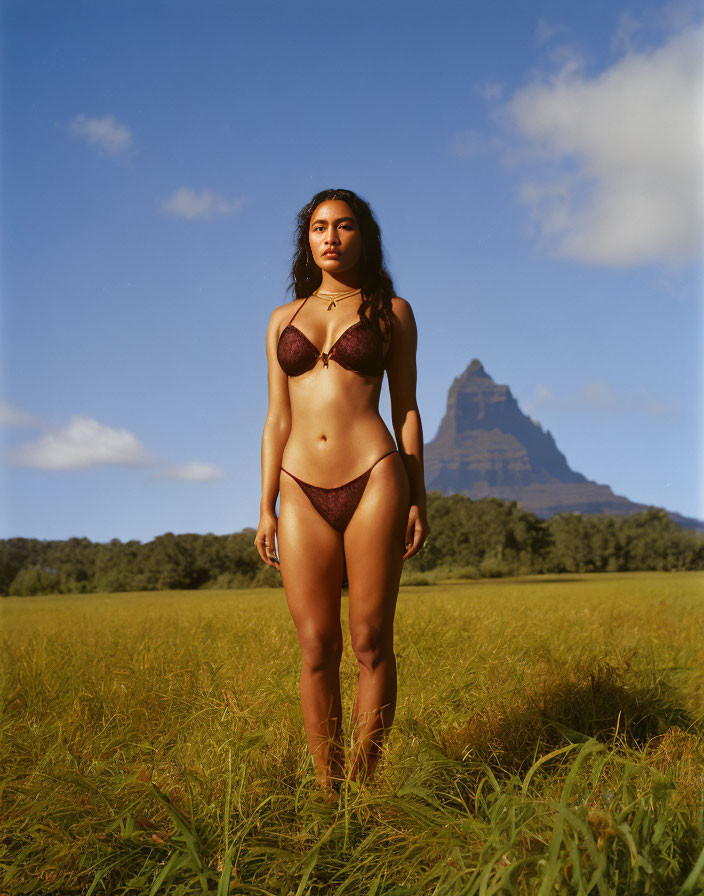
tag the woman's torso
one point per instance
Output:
(336, 429)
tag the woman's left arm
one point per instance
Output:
(401, 371)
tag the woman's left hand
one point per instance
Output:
(417, 530)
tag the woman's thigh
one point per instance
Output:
(312, 561)
(374, 547)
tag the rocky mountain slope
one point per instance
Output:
(487, 447)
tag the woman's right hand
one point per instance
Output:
(265, 540)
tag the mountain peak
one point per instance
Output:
(474, 376)
(476, 368)
(486, 446)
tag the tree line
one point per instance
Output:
(468, 538)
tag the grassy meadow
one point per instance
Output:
(549, 738)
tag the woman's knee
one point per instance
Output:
(371, 644)
(320, 649)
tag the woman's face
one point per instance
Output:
(334, 235)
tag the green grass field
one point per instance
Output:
(549, 738)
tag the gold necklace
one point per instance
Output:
(335, 296)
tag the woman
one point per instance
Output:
(348, 497)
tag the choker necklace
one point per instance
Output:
(334, 297)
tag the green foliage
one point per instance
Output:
(468, 539)
(31, 567)
(493, 538)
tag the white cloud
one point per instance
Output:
(545, 31)
(615, 159)
(601, 397)
(187, 203)
(80, 444)
(628, 26)
(600, 394)
(12, 416)
(195, 471)
(106, 133)
(541, 396)
(490, 90)
(633, 31)
(83, 443)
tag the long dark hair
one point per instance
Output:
(377, 286)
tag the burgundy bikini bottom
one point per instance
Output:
(337, 505)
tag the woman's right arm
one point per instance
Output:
(276, 433)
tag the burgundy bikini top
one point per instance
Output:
(359, 349)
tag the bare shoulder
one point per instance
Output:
(284, 312)
(402, 311)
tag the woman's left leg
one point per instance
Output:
(374, 547)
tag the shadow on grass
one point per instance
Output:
(586, 703)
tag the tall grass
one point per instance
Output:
(548, 739)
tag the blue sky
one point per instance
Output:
(535, 169)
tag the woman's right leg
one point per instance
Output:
(312, 563)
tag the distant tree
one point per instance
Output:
(34, 580)
(488, 534)
(16, 554)
(468, 538)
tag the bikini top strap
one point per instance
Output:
(298, 309)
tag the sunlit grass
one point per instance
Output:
(548, 739)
